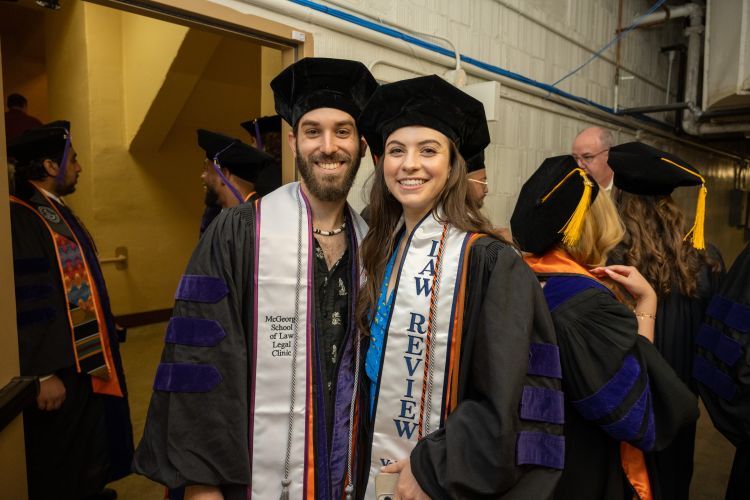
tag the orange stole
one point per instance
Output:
(458, 323)
(100, 385)
(631, 458)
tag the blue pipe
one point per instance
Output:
(340, 14)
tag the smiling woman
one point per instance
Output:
(443, 383)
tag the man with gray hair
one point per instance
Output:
(591, 151)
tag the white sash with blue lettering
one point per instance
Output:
(277, 243)
(402, 370)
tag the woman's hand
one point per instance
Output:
(643, 293)
(629, 277)
(407, 487)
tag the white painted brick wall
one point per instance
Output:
(490, 31)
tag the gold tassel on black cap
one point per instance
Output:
(697, 231)
(572, 229)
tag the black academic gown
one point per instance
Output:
(678, 318)
(202, 437)
(607, 369)
(74, 451)
(722, 366)
(474, 454)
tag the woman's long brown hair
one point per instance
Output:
(654, 244)
(458, 208)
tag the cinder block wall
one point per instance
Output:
(542, 40)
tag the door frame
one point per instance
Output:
(12, 449)
(293, 43)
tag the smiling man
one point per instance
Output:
(256, 393)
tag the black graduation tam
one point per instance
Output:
(47, 141)
(242, 160)
(644, 170)
(262, 125)
(552, 205)
(428, 101)
(475, 163)
(319, 82)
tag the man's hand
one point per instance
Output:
(197, 492)
(407, 488)
(51, 394)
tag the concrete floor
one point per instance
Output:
(141, 353)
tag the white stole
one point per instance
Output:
(276, 254)
(400, 387)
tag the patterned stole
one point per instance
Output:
(85, 313)
(283, 284)
(559, 262)
(416, 385)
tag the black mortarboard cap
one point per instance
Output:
(262, 125)
(47, 141)
(476, 162)
(319, 82)
(644, 170)
(428, 101)
(242, 160)
(552, 205)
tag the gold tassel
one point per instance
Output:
(572, 229)
(697, 231)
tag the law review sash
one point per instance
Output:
(278, 250)
(409, 401)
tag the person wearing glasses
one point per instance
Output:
(591, 151)
(477, 176)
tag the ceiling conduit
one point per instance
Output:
(352, 25)
(694, 33)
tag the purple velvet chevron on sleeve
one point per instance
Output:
(544, 360)
(197, 288)
(199, 332)
(184, 377)
(714, 379)
(725, 348)
(629, 427)
(732, 314)
(611, 395)
(540, 448)
(542, 405)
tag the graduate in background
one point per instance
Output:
(477, 176)
(230, 173)
(463, 369)
(265, 134)
(622, 398)
(722, 368)
(684, 274)
(257, 389)
(79, 437)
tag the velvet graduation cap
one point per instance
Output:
(428, 101)
(552, 205)
(475, 163)
(318, 82)
(644, 170)
(261, 126)
(227, 152)
(46, 142)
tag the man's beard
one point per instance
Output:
(325, 187)
(211, 198)
(66, 189)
